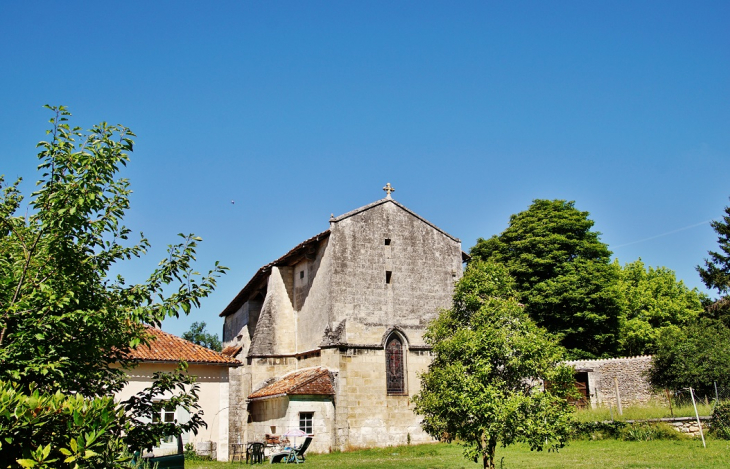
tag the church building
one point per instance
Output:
(331, 334)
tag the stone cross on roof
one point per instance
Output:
(388, 189)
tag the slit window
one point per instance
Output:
(388, 275)
(301, 274)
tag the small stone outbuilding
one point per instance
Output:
(606, 379)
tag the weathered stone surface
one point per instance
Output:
(630, 373)
(332, 302)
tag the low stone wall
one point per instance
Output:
(629, 373)
(686, 425)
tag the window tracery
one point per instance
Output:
(395, 367)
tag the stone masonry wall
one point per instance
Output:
(315, 299)
(423, 263)
(631, 374)
(338, 295)
(366, 415)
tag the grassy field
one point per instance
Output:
(605, 454)
(654, 411)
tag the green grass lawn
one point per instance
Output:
(653, 411)
(582, 454)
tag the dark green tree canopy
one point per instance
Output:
(716, 273)
(696, 356)
(563, 274)
(542, 239)
(198, 335)
(484, 386)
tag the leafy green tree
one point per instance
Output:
(652, 301)
(716, 272)
(484, 386)
(563, 274)
(696, 356)
(66, 322)
(198, 335)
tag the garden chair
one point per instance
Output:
(255, 453)
(292, 455)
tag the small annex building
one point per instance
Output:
(211, 368)
(331, 333)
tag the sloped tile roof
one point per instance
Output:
(168, 348)
(310, 381)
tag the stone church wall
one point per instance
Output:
(380, 269)
(423, 263)
(366, 415)
(313, 312)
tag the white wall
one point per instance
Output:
(213, 400)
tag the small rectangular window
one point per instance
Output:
(388, 275)
(301, 274)
(306, 422)
(387, 241)
(165, 415)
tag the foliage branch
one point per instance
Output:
(197, 334)
(485, 384)
(67, 323)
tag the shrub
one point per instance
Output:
(619, 430)
(598, 430)
(720, 421)
(647, 431)
(192, 455)
(77, 431)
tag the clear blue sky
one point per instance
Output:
(296, 110)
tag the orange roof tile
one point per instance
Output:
(231, 350)
(166, 347)
(310, 381)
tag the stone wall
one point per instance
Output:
(630, 373)
(278, 415)
(329, 302)
(423, 262)
(314, 305)
(689, 425)
(366, 415)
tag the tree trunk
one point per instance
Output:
(488, 457)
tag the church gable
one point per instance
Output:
(378, 266)
(393, 269)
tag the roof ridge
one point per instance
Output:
(398, 204)
(166, 347)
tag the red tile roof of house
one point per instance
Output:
(309, 381)
(168, 348)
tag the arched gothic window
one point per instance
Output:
(394, 365)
